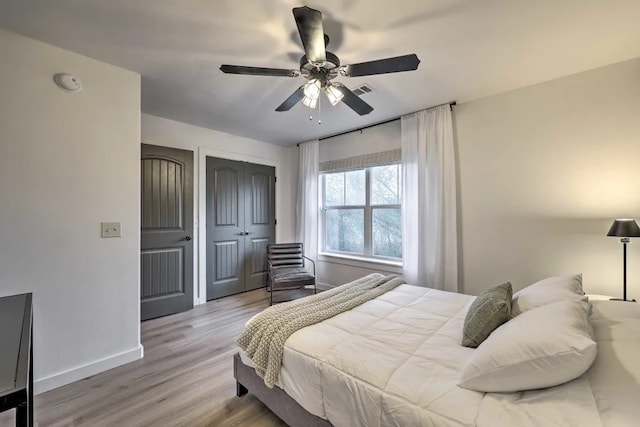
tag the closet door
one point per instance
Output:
(225, 227)
(240, 224)
(259, 222)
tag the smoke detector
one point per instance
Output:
(67, 82)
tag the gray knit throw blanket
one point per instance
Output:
(264, 337)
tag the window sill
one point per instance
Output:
(363, 262)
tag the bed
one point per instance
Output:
(396, 360)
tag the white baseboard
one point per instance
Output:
(84, 371)
(325, 286)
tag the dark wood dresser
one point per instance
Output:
(16, 357)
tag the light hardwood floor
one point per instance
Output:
(184, 379)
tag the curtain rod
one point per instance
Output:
(451, 105)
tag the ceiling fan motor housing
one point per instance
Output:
(328, 71)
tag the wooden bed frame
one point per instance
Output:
(279, 402)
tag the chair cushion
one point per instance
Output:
(291, 274)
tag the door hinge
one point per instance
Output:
(275, 179)
(275, 222)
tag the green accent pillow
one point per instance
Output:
(488, 311)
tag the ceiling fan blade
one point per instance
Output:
(353, 101)
(258, 71)
(292, 100)
(382, 66)
(309, 22)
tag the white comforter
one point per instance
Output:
(396, 360)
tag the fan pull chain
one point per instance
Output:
(319, 114)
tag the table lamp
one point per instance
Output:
(624, 228)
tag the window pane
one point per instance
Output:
(385, 185)
(344, 230)
(387, 232)
(334, 189)
(355, 182)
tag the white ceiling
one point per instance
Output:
(468, 49)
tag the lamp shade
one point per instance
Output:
(624, 228)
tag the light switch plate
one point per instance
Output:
(111, 229)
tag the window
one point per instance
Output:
(361, 212)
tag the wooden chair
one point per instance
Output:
(286, 268)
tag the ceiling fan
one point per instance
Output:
(320, 67)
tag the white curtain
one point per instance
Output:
(307, 198)
(429, 216)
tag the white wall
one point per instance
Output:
(206, 142)
(543, 172)
(68, 162)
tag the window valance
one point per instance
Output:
(359, 162)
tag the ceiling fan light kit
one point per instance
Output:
(333, 93)
(320, 67)
(311, 93)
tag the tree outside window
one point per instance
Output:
(361, 212)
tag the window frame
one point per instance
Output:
(368, 209)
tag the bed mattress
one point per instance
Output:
(396, 360)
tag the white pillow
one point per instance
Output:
(547, 291)
(543, 347)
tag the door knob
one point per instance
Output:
(187, 238)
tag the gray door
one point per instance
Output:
(240, 224)
(259, 222)
(166, 258)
